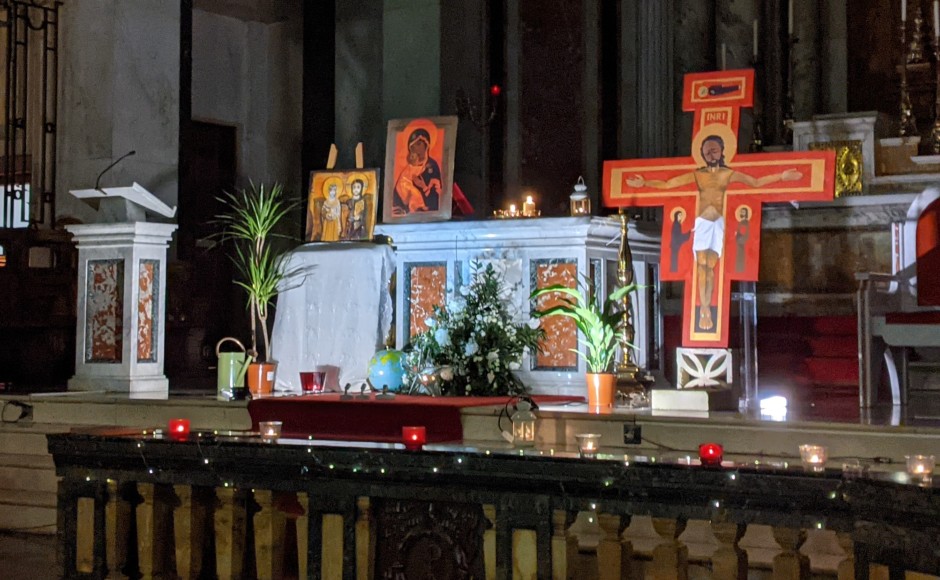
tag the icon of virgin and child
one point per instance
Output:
(419, 182)
(341, 206)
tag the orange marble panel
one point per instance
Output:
(104, 305)
(561, 332)
(146, 305)
(427, 288)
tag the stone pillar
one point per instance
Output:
(119, 91)
(647, 92)
(411, 82)
(120, 328)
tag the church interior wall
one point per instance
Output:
(245, 75)
(119, 91)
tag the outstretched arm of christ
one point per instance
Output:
(677, 181)
(788, 175)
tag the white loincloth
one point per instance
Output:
(709, 235)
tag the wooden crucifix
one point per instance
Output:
(702, 195)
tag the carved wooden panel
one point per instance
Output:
(428, 540)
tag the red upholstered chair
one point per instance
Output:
(900, 312)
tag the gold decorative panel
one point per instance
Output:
(849, 165)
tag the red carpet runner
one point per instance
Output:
(327, 417)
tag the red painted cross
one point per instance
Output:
(711, 206)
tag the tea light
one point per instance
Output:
(512, 210)
(813, 456)
(528, 207)
(178, 428)
(414, 437)
(588, 443)
(270, 430)
(710, 453)
(921, 465)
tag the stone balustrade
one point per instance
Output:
(135, 503)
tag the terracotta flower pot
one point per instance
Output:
(601, 388)
(260, 378)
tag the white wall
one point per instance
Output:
(249, 75)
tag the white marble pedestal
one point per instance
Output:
(121, 301)
(434, 260)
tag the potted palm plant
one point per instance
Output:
(250, 223)
(599, 324)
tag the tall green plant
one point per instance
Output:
(598, 323)
(250, 223)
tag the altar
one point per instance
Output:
(435, 260)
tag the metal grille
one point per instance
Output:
(29, 40)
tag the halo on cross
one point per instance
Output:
(719, 130)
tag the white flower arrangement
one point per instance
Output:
(472, 344)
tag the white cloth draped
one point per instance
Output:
(335, 310)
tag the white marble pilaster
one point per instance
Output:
(123, 355)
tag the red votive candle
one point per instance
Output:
(413, 437)
(178, 428)
(710, 453)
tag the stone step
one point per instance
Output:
(28, 498)
(32, 519)
(27, 472)
(22, 441)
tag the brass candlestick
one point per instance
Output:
(908, 124)
(627, 370)
(915, 50)
(935, 131)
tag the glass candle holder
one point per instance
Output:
(920, 465)
(588, 444)
(178, 428)
(270, 430)
(710, 453)
(312, 381)
(813, 456)
(579, 201)
(413, 437)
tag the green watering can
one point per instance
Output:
(232, 368)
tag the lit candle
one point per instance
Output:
(755, 39)
(512, 209)
(723, 56)
(921, 465)
(270, 430)
(710, 453)
(179, 428)
(413, 437)
(813, 456)
(528, 207)
(588, 443)
(936, 18)
(790, 18)
(903, 10)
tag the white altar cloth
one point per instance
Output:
(338, 316)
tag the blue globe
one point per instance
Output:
(386, 368)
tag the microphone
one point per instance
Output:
(108, 168)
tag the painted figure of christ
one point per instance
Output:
(708, 234)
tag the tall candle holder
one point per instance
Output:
(757, 134)
(915, 50)
(789, 115)
(908, 124)
(935, 131)
(627, 370)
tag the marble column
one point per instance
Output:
(647, 91)
(119, 91)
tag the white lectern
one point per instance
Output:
(121, 293)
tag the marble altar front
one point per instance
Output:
(435, 260)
